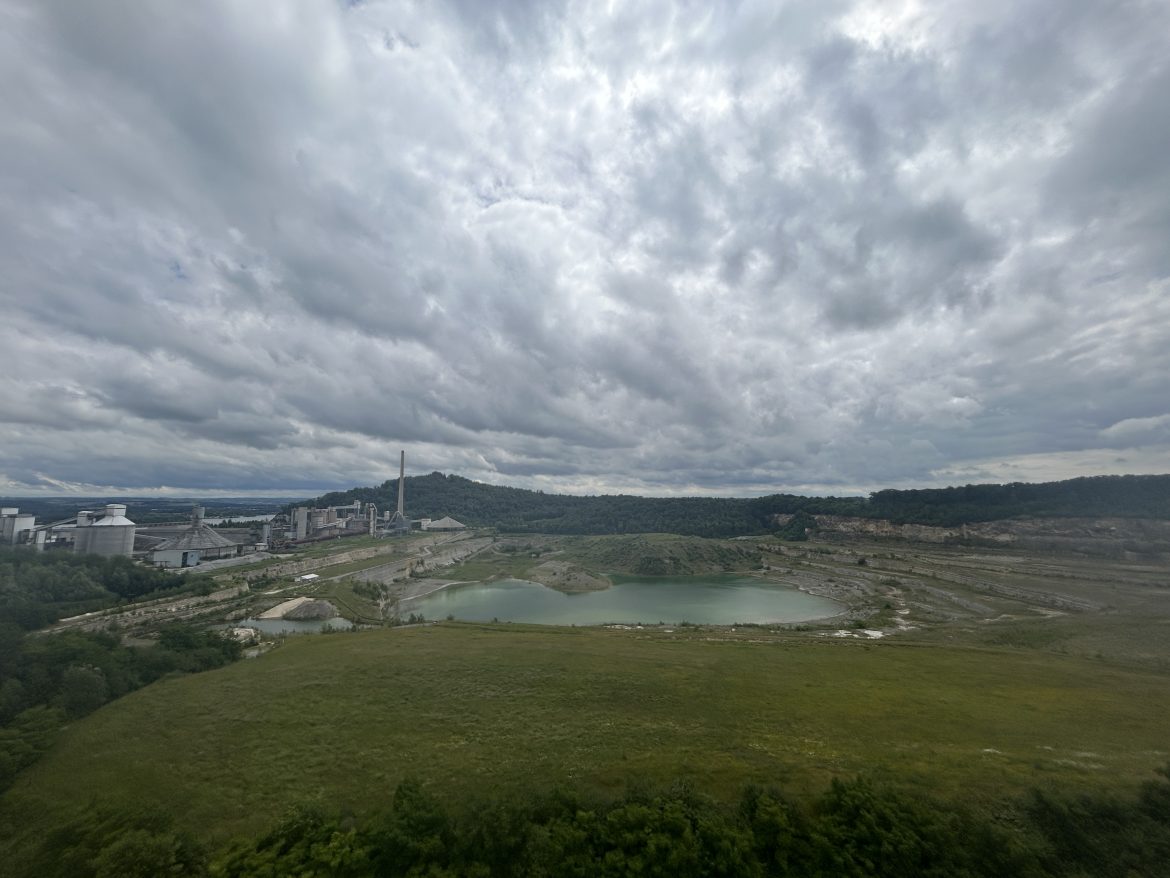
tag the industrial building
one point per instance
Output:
(307, 523)
(15, 528)
(197, 543)
(327, 522)
(108, 533)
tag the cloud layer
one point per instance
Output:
(657, 248)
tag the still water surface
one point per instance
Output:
(712, 600)
(290, 626)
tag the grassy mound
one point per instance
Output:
(663, 554)
(341, 719)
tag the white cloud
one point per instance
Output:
(1138, 429)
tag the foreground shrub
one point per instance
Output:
(855, 828)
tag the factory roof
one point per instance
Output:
(198, 536)
(112, 521)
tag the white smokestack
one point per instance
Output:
(402, 485)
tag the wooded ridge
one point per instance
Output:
(518, 510)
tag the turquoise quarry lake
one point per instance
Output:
(710, 600)
(289, 626)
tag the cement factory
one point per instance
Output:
(108, 532)
(361, 518)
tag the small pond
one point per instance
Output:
(289, 626)
(711, 600)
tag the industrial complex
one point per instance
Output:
(357, 518)
(109, 532)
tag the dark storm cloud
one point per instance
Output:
(666, 247)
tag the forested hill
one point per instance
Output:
(519, 510)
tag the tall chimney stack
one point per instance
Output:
(402, 485)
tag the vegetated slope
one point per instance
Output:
(49, 680)
(514, 710)
(37, 588)
(663, 555)
(517, 510)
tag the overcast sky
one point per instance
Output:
(656, 248)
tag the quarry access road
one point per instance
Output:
(442, 550)
(145, 613)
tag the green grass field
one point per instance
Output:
(474, 710)
(351, 605)
(490, 566)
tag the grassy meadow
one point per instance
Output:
(504, 710)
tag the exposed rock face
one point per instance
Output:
(311, 611)
(1109, 537)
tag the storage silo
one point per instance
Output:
(112, 534)
(13, 525)
(302, 524)
(81, 533)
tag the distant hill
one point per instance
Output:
(516, 510)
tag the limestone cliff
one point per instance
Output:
(1107, 537)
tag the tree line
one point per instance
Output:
(38, 588)
(517, 510)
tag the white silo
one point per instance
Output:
(112, 534)
(13, 525)
(301, 521)
(81, 533)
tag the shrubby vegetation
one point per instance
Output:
(38, 588)
(855, 828)
(666, 555)
(520, 511)
(798, 527)
(110, 843)
(48, 680)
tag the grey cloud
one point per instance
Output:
(1115, 173)
(884, 103)
(515, 27)
(901, 257)
(729, 248)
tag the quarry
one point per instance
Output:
(972, 661)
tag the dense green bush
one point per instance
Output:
(111, 843)
(38, 588)
(855, 828)
(798, 527)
